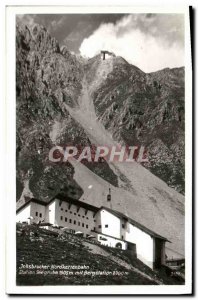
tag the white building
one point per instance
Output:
(109, 227)
(74, 214)
(150, 246)
(60, 211)
(33, 211)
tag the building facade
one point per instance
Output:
(73, 214)
(109, 227)
(60, 211)
(150, 247)
(33, 211)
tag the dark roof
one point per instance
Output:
(44, 224)
(175, 260)
(29, 201)
(61, 198)
(75, 202)
(135, 223)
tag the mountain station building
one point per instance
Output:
(107, 226)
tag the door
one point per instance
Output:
(158, 253)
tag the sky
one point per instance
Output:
(149, 41)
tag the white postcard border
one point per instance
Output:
(11, 287)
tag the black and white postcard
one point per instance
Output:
(99, 105)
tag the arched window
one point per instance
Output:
(119, 245)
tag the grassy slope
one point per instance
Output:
(38, 246)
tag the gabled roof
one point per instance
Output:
(135, 223)
(29, 201)
(61, 198)
(75, 202)
(175, 260)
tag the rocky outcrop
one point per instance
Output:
(143, 109)
(47, 79)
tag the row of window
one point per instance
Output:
(106, 226)
(74, 222)
(74, 213)
(65, 209)
(104, 239)
(40, 214)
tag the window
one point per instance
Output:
(75, 214)
(78, 223)
(119, 245)
(70, 212)
(123, 226)
(74, 221)
(87, 218)
(40, 215)
(122, 237)
(70, 220)
(83, 217)
(83, 225)
(94, 228)
(36, 213)
(99, 226)
(106, 226)
(59, 203)
(86, 226)
(66, 210)
(61, 208)
(79, 215)
(61, 217)
(95, 221)
(65, 219)
(102, 238)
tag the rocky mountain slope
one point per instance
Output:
(47, 77)
(62, 100)
(143, 109)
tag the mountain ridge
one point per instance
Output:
(61, 100)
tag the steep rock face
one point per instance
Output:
(47, 78)
(39, 66)
(143, 109)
